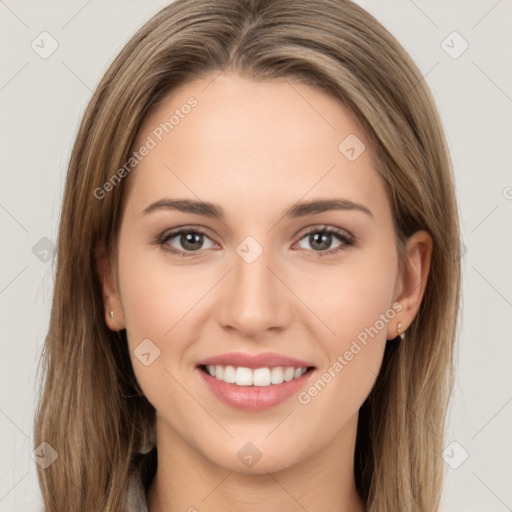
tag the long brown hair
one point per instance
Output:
(91, 409)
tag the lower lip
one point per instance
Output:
(254, 398)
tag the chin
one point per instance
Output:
(253, 457)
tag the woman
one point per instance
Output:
(258, 275)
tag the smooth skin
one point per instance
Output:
(256, 149)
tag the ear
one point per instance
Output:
(111, 298)
(411, 283)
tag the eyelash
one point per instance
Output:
(346, 240)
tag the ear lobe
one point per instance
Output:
(111, 299)
(414, 279)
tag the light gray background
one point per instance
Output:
(41, 103)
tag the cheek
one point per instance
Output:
(351, 298)
(155, 295)
(158, 308)
(153, 300)
(358, 311)
(164, 301)
(356, 305)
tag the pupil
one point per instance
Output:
(191, 238)
(324, 242)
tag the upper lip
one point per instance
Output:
(263, 360)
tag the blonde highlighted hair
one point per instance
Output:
(91, 409)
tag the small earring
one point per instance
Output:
(401, 335)
(111, 313)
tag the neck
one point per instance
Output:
(187, 481)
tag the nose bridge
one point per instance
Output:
(254, 299)
(252, 272)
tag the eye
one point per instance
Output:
(185, 241)
(188, 240)
(320, 240)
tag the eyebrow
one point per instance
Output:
(297, 210)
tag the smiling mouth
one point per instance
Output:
(258, 377)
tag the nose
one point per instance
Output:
(254, 298)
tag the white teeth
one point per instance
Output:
(229, 374)
(243, 376)
(276, 375)
(260, 377)
(288, 373)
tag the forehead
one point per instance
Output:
(252, 144)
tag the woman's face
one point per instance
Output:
(258, 277)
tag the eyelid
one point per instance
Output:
(169, 233)
(313, 228)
